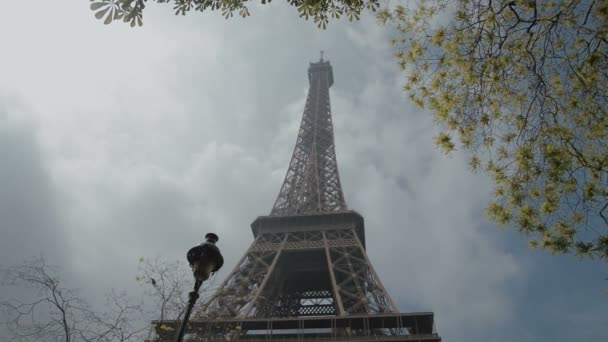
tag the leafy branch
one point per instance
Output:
(131, 11)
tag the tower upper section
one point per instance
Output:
(321, 67)
(312, 183)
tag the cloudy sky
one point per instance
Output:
(117, 143)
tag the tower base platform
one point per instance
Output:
(417, 326)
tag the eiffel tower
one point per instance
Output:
(307, 276)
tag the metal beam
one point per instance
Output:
(334, 285)
(254, 300)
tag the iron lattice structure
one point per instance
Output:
(312, 182)
(307, 276)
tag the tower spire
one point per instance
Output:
(312, 182)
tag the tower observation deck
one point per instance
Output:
(306, 276)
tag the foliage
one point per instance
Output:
(58, 313)
(524, 85)
(319, 10)
(166, 287)
(55, 312)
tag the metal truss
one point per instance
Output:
(262, 285)
(312, 182)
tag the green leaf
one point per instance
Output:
(101, 13)
(96, 5)
(109, 19)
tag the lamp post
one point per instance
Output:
(204, 259)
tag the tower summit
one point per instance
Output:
(307, 276)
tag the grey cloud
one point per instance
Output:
(30, 219)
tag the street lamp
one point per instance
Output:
(204, 259)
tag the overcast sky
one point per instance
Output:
(117, 143)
